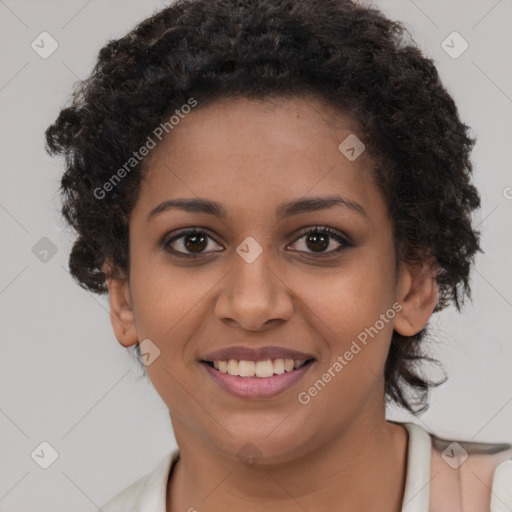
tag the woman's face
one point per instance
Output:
(254, 279)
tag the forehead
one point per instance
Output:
(244, 153)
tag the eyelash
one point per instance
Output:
(336, 235)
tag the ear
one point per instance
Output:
(418, 295)
(122, 316)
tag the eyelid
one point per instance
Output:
(324, 229)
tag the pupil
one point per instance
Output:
(319, 240)
(191, 242)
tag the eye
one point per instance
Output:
(319, 238)
(190, 243)
(193, 243)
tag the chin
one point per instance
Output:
(260, 448)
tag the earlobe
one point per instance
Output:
(122, 315)
(417, 292)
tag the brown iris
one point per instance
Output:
(195, 242)
(317, 241)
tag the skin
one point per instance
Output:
(251, 156)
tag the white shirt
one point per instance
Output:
(148, 494)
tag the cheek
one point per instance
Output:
(165, 297)
(353, 316)
(169, 307)
(350, 299)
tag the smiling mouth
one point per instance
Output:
(262, 369)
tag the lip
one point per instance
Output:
(257, 387)
(255, 354)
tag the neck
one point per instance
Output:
(361, 468)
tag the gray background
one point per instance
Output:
(65, 379)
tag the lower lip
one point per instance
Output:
(257, 387)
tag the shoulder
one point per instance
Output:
(470, 476)
(148, 493)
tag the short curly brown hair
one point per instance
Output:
(352, 56)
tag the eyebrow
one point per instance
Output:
(284, 210)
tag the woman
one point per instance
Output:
(276, 197)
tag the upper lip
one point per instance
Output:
(255, 354)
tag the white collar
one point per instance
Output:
(417, 481)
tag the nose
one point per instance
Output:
(254, 296)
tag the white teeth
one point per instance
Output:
(232, 367)
(246, 368)
(278, 366)
(262, 369)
